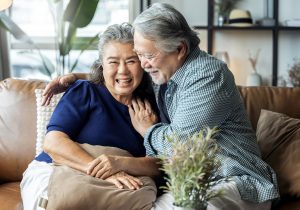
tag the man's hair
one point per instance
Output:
(166, 26)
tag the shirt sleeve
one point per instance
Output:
(72, 110)
(203, 101)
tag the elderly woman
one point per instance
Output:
(96, 112)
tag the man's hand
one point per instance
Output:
(142, 116)
(56, 86)
(122, 179)
(103, 166)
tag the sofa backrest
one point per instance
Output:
(17, 126)
(18, 118)
(278, 99)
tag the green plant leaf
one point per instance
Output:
(68, 43)
(85, 47)
(80, 12)
(191, 168)
(19, 34)
(49, 69)
(2, 25)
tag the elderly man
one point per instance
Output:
(194, 90)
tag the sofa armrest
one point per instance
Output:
(17, 126)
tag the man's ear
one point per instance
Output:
(182, 50)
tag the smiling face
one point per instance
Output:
(160, 65)
(122, 70)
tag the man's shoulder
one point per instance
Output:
(205, 69)
(203, 63)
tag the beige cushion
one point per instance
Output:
(43, 116)
(279, 140)
(72, 189)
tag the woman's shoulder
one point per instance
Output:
(83, 89)
(84, 92)
(84, 85)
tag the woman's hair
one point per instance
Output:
(121, 33)
(117, 32)
(166, 26)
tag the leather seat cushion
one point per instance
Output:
(10, 197)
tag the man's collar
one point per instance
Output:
(179, 73)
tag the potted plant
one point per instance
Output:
(191, 170)
(254, 78)
(294, 73)
(77, 14)
(223, 8)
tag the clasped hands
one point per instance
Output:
(107, 167)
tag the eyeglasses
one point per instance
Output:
(147, 56)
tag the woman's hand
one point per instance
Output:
(103, 166)
(57, 85)
(142, 116)
(122, 179)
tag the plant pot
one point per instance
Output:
(181, 208)
(221, 20)
(187, 208)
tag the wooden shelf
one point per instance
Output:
(276, 29)
(246, 28)
(288, 28)
(236, 27)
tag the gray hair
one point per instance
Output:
(121, 33)
(166, 26)
(118, 32)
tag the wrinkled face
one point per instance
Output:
(161, 66)
(122, 71)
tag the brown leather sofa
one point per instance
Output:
(18, 130)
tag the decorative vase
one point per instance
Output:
(221, 20)
(254, 79)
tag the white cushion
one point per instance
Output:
(43, 116)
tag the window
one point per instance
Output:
(34, 17)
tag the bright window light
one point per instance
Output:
(34, 17)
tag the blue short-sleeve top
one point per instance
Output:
(88, 113)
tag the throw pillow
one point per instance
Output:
(43, 116)
(278, 137)
(81, 191)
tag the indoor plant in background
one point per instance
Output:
(77, 14)
(254, 78)
(294, 73)
(191, 168)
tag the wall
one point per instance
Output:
(238, 43)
